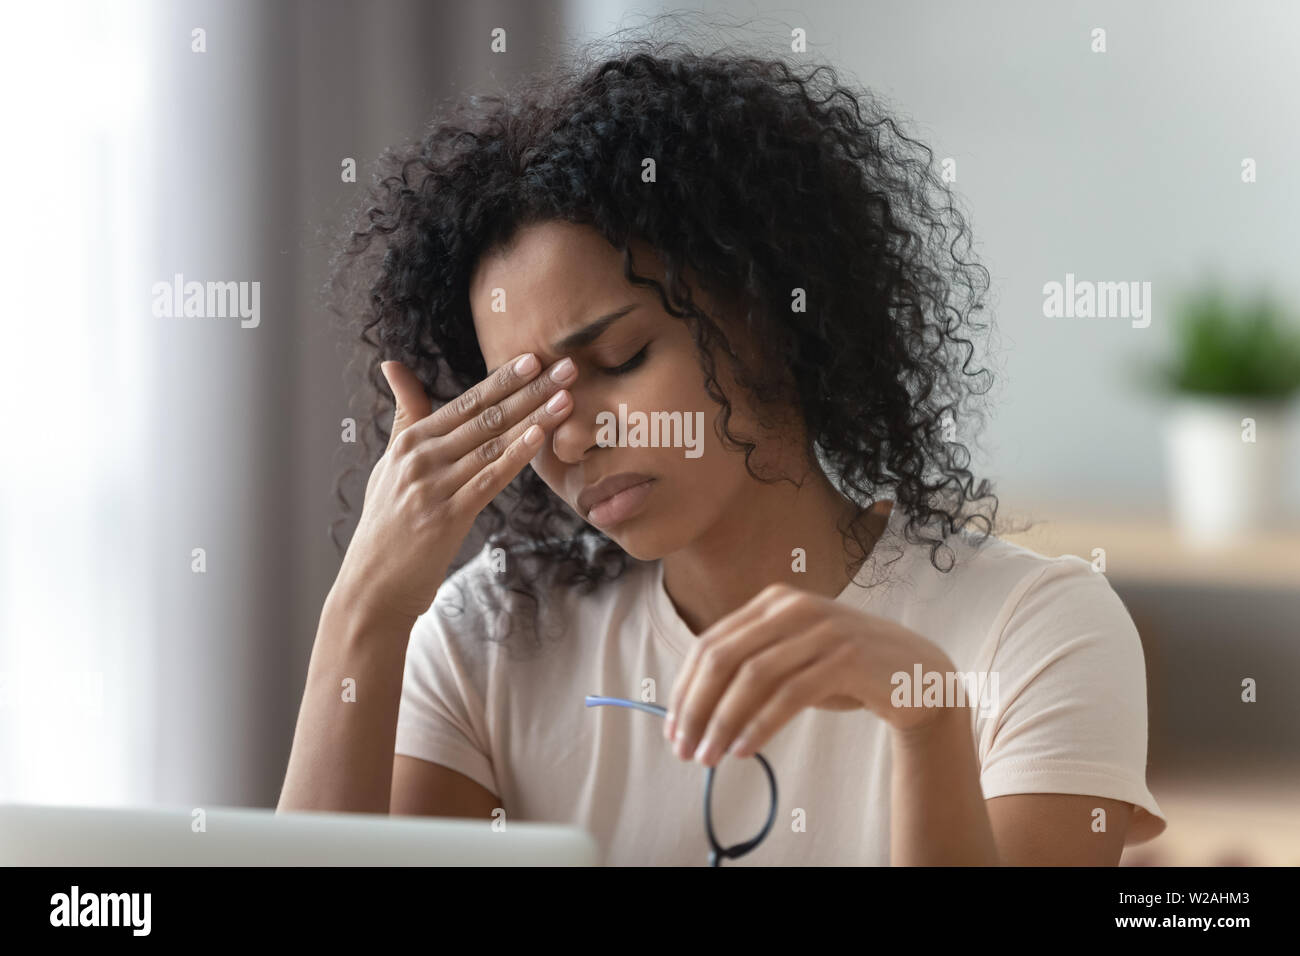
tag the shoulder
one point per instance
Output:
(998, 593)
(1044, 626)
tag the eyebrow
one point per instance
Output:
(589, 333)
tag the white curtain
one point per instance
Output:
(133, 153)
(74, 373)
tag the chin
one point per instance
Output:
(645, 539)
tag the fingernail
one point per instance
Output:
(564, 371)
(704, 753)
(558, 401)
(526, 365)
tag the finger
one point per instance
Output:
(489, 407)
(408, 393)
(547, 416)
(718, 663)
(501, 417)
(802, 689)
(761, 602)
(763, 678)
(741, 615)
(475, 494)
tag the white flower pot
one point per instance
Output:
(1223, 485)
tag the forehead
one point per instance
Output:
(554, 278)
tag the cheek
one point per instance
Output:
(675, 384)
(551, 470)
(543, 465)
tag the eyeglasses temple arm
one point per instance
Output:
(593, 700)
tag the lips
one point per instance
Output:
(593, 495)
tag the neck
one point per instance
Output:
(753, 546)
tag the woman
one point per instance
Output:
(559, 285)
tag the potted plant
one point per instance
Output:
(1234, 372)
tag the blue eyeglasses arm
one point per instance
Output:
(596, 701)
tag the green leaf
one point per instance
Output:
(1225, 348)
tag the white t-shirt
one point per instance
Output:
(1069, 714)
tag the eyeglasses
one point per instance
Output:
(718, 852)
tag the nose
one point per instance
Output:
(574, 437)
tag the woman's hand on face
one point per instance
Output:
(750, 673)
(439, 471)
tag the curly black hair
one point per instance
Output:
(769, 179)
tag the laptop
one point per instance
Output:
(38, 835)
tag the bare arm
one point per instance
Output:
(422, 788)
(342, 756)
(1056, 829)
(940, 816)
(440, 470)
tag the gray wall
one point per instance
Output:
(1117, 166)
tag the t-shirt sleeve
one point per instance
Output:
(441, 717)
(1070, 713)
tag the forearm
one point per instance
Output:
(342, 754)
(938, 816)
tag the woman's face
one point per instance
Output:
(555, 280)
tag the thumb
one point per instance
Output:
(412, 402)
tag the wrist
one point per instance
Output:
(354, 611)
(922, 726)
(921, 701)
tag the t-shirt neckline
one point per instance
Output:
(668, 626)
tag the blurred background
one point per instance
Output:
(164, 522)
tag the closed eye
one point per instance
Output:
(630, 364)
